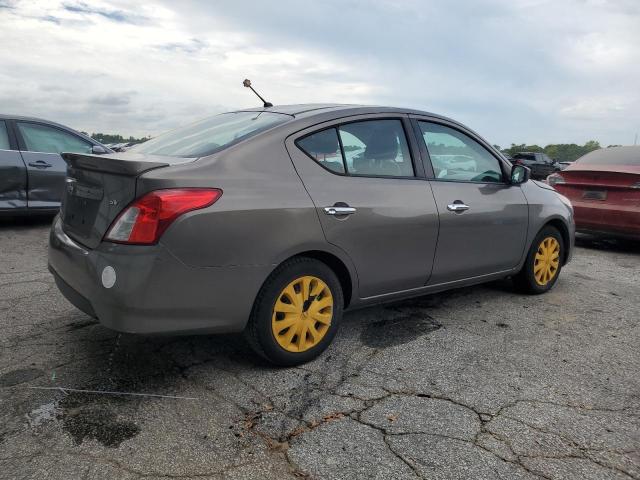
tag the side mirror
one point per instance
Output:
(520, 174)
(99, 150)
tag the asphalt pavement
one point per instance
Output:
(477, 383)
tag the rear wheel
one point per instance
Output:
(296, 313)
(543, 264)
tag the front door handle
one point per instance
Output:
(339, 210)
(39, 164)
(457, 207)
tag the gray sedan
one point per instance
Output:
(32, 172)
(274, 221)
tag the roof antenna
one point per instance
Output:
(247, 83)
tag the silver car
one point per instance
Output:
(274, 221)
(32, 172)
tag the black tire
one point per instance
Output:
(525, 280)
(258, 332)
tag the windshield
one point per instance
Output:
(210, 135)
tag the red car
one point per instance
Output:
(604, 188)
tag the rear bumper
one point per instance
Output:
(154, 292)
(607, 218)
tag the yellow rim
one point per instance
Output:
(547, 261)
(302, 314)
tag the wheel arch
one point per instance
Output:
(340, 265)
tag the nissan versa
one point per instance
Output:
(273, 221)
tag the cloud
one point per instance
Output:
(192, 46)
(112, 99)
(110, 14)
(528, 71)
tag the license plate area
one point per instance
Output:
(80, 206)
(595, 195)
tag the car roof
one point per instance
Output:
(35, 119)
(311, 109)
(4, 116)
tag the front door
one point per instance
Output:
(483, 219)
(41, 148)
(370, 202)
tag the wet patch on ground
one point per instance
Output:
(398, 330)
(86, 417)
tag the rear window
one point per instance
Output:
(210, 135)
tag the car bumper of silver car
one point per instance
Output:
(145, 289)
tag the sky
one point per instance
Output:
(515, 71)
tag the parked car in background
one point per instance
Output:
(604, 188)
(564, 165)
(259, 220)
(540, 164)
(32, 172)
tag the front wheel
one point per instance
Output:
(543, 264)
(296, 313)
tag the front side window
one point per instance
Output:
(457, 157)
(4, 136)
(45, 139)
(211, 135)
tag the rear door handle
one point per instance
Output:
(457, 207)
(39, 164)
(339, 210)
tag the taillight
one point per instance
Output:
(555, 179)
(145, 220)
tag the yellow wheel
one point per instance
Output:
(296, 313)
(547, 261)
(302, 314)
(543, 264)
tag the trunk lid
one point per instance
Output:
(612, 185)
(99, 187)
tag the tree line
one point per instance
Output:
(109, 138)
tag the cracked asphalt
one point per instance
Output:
(479, 383)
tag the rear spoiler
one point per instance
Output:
(108, 164)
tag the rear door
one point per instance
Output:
(41, 145)
(371, 200)
(13, 173)
(483, 219)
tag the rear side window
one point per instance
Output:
(458, 157)
(324, 148)
(4, 136)
(45, 139)
(375, 148)
(211, 135)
